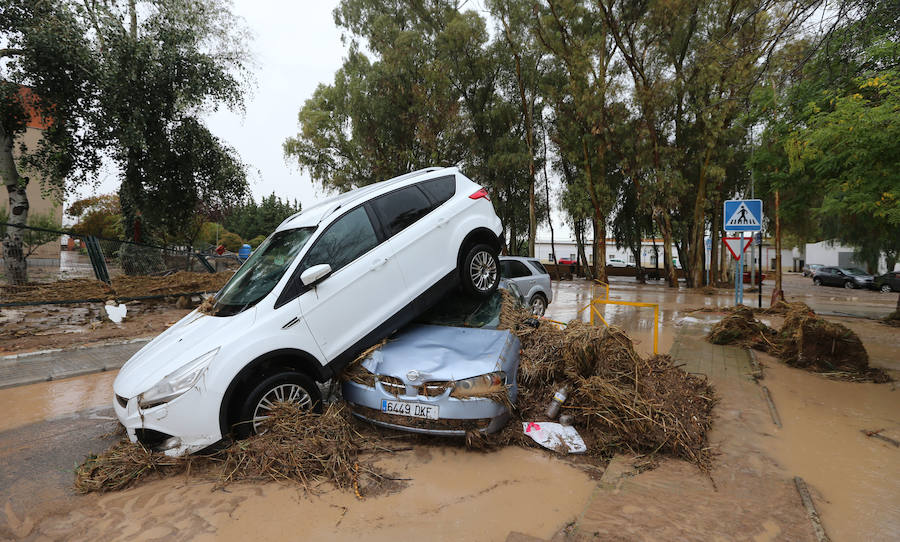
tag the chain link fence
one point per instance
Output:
(65, 266)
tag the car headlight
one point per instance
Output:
(177, 382)
(479, 385)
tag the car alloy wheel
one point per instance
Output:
(483, 271)
(817, 282)
(886, 288)
(284, 393)
(538, 305)
(286, 386)
(850, 285)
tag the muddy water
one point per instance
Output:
(570, 299)
(48, 400)
(855, 479)
(453, 495)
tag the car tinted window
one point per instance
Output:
(346, 239)
(401, 208)
(440, 189)
(539, 267)
(517, 269)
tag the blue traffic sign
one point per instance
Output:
(743, 215)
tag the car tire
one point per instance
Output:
(886, 288)
(850, 285)
(817, 282)
(289, 386)
(480, 272)
(538, 304)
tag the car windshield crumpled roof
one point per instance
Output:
(444, 353)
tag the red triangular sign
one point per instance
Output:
(734, 245)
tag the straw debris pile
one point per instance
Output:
(619, 400)
(742, 328)
(122, 286)
(805, 340)
(298, 445)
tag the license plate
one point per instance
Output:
(413, 410)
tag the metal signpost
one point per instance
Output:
(741, 215)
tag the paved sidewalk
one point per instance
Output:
(21, 369)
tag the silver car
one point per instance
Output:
(531, 278)
(451, 372)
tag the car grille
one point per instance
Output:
(435, 389)
(151, 438)
(392, 385)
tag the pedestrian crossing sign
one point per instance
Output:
(743, 215)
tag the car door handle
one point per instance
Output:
(378, 264)
(441, 221)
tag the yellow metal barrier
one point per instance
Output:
(655, 307)
(607, 301)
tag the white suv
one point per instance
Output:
(328, 283)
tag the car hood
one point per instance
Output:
(431, 353)
(188, 339)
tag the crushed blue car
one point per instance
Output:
(451, 372)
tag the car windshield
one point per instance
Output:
(853, 271)
(261, 272)
(464, 311)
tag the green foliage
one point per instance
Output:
(435, 92)
(97, 215)
(256, 241)
(231, 241)
(251, 220)
(851, 150)
(157, 77)
(45, 48)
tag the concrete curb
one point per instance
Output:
(58, 363)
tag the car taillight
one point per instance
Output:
(482, 193)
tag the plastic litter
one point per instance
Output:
(556, 437)
(556, 402)
(116, 314)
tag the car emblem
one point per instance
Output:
(412, 376)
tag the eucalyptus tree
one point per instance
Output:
(579, 88)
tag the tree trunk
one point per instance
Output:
(714, 244)
(778, 292)
(547, 193)
(696, 248)
(595, 253)
(666, 229)
(582, 259)
(13, 250)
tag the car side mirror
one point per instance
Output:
(315, 274)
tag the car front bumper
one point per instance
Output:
(456, 416)
(184, 425)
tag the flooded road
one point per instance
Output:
(48, 400)
(454, 494)
(856, 478)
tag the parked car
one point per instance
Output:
(617, 262)
(438, 376)
(531, 278)
(330, 282)
(848, 277)
(811, 268)
(567, 261)
(888, 282)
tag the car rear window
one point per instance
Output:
(538, 266)
(401, 208)
(440, 189)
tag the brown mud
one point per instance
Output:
(27, 329)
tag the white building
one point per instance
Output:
(833, 253)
